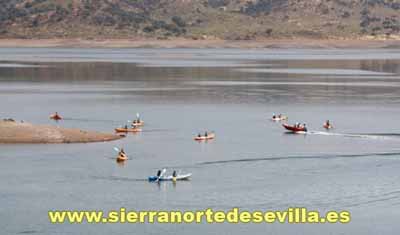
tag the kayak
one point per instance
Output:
(119, 130)
(277, 119)
(56, 117)
(122, 158)
(208, 137)
(170, 178)
(135, 123)
(294, 129)
(328, 126)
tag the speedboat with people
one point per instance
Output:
(328, 125)
(56, 116)
(279, 118)
(174, 177)
(206, 136)
(295, 128)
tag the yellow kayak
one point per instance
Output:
(122, 158)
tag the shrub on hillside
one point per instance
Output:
(179, 21)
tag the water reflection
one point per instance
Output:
(121, 163)
(196, 84)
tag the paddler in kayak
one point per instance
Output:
(174, 175)
(328, 125)
(122, 156)
(206, 136)
(160, 174)
(137, 121)
(305, 127)
(279, 117)
(55, 116)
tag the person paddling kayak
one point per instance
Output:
(279, 117)
(56, 116)
(207, 136)
(160, 176)
(174, 175)
(328, 125)
(122, 156)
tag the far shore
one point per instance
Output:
(300, 43)
(12, 132)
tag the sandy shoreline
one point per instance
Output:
(26, 133)
(208, 43)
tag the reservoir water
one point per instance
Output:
(252, 164)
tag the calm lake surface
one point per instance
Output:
(252, 164)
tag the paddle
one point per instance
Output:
(162, 173)
(117, 150)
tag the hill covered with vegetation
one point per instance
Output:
(198, 19)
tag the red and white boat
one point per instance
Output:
(294, 128)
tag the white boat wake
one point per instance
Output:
(367, 136)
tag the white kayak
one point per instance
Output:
(171, 178)
(278, 119)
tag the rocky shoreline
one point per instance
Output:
(300, 43)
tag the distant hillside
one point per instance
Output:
(225, 19)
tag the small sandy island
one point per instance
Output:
(12, 132)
